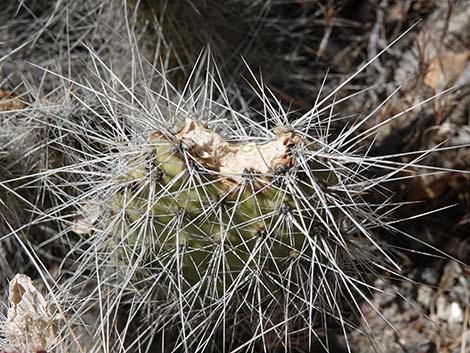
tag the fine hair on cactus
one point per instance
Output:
(196, 224)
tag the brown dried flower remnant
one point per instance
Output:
(30, 324)
(232, 160)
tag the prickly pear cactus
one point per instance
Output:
(203, 195)
(223, 233)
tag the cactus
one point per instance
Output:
(207, 193)
(240, 231)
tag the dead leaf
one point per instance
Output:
(445, 69)
(30, 325)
